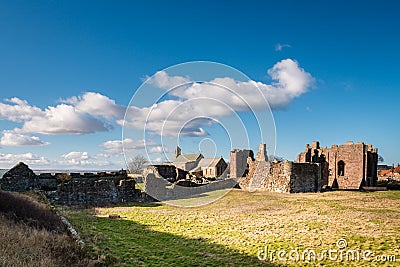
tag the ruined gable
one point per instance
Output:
(20, 170)
(19, 178)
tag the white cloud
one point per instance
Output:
(290, 81)
(83, 159)
(159, 150)
(156, 150)
(170, 117)
(11, 138)
(279, 47)
(77, 115)
(28, 158)
(191, 110)
(19, 112)
(76, 156)
(98, 105)
(157, 161)
(216, 98)
(63, 119)
(117, 146)
(103, 155)
(162, 80)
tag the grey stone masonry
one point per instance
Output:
(74, 188)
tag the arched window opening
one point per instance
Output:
(341, 168)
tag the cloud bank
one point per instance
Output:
(116, 147)
(89, 113)
(29, 158)
(11, 138)
(93, 112)
(219, 97)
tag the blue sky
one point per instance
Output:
(53, 53)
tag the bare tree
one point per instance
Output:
(137, 164)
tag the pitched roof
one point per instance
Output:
(206, 163)
(187, 158)
(209, 162)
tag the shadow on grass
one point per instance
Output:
(117, 204)
(128, 243)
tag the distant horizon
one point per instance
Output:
(65, 170)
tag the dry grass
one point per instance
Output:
(30, 236)
(22, 245)
(27, 209)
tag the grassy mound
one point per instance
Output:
(32, 235)
(20, 208)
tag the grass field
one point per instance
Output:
(237, 228)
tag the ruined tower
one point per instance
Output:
(238, 162)
(262, 153)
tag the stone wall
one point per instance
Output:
(282, 177)
(94, 191)
(160, 189)
(305, 177)
(177, 191)
(155, 186)
(163, 182)
(168, 172)
(74, 188)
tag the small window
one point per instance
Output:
(341, 168)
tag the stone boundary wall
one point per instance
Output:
(74, 188)
(180, 191)
(168, 172)
(160, 189)
(94, 191)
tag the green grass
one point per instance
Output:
(231, 231)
